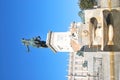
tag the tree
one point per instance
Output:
(86, 4)
(82, 16)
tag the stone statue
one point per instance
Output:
(35, 42)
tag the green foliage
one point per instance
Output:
(82, 16)
(86, 4)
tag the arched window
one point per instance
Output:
(94, 22)
(93, 27)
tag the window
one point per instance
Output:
(76, 68)
(76, 62)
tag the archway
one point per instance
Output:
(93, 27)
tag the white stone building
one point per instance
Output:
(59, 41)
(85, 67)
(91, 37)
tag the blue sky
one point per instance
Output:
(29, 18)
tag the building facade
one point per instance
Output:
(89, 66)
(93, 46)
(59, 41)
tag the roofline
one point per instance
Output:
(48, 42)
